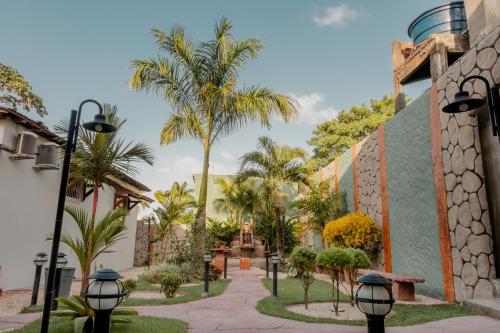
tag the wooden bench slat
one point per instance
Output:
(392, 276)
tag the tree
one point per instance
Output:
(98, 158)
(93, 238)
(240, 199)
(304, 261)
(15, 90)
(359, 259)
(200, 82)
(278, 166)
(333, 137)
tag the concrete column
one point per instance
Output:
(482, 16)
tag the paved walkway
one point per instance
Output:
(234, 311)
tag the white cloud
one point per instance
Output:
(312, 109)
(337, 15)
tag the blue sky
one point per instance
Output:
(328, 54)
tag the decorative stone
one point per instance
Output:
(486, 58)
(464, 215)
(446, 161)
(497, 45)
(485, 221)
(461, 234)
(457, 161)
(453, 217)
(473, 260)
(466, 136)
(489, 40)
(468, 62)
(470, 292)
(451, 90)
(443, 116)
(463, 119)
(477, 142)
(493, 274)
(445, 139)
(458, 195)
(453, 130)
(469, 274)
(460, 289)
(453, 240)
(450, 149)
(470, 158)
(495, 71)
(465, 254)
(478, 166)
(457, 261)
(449, 199)
(481, 194)
(483, 266)
(471, 182)
(492, 259)
(454, 72)
(466, 196)
(477, 228)
(478, 244)
(450, 181)
(483, 289)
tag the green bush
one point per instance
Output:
(154, 276)
(218, 231)
(303, 258)
(359, 259)
(214, 273)
(170, 282)
(130, 285)
(334, 260)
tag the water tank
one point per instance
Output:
(449, 18)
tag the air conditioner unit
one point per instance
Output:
(47, 157)
(26, 146)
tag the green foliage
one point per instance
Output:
(359, 259)
(304, 261)
(333, 137)
(130, 285)
(240, 200)
(222, 231)
(15, 90)
(170, 282)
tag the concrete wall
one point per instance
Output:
(213, 194)
(28, 200)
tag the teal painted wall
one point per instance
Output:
(412, 198)
(213, 193)
(346, 177)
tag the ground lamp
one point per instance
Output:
(104, 294)
(464, 102)
(62, 261)
(275, 260)
(374, 299)
(207, 258)
(267, 254)
(40, 260)
(226, 253)
(98, 125)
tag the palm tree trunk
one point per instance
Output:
(90, 246)
(277, 219)
(202, 202)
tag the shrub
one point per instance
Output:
(170, 282)
(304, 260)
(334, 260)
(130, 285)
(359, 259)
(155, 276)
(354, 230)
(214, 273)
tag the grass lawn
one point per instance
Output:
(191, 293)
(141, 324)
(290, 292)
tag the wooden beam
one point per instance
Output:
(355, 176)
(386, 227)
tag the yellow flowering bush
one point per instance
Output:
(354, 230)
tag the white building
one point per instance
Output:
(29, 186)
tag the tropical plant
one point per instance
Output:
(354, 230)
(280, 168)
(334, 260)
(200, 82)
(93, 238)
(333, 137)
(303, 259)
(170, 282)
(15, 90)
(359, 259)
(222, 231)
(98, 159)
(75, 308)
(240, 199)
(129, 285)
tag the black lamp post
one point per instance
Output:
(226, 253)
(275, 260)
(374, 299)
(40, 260)
(103, 295)
(61, 263)
(98, 125)
(267, 254)
(464, 102)
(207, 258)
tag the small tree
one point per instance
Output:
(334, 260)
(359, 259)
(304, 260)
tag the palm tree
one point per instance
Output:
(98, 158)
(278, 167)
(200, 82)
(94, 238)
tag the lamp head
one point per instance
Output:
(275, 258)
(106, 292)
(374, 295)
(62, 261)
(207, 256)
(463, 102)
(99, 125)
(40, 259)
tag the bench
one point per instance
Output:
(403, 286)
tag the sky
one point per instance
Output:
(329, 55)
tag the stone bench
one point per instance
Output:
(403, 286)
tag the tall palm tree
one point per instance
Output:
(200, 82)
(278, 166)
(98, 157)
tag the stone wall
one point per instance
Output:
(141, 244)
(468, 216)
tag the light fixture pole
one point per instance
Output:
(98, 125)
(40, 260)
(275, 260)
(207, 258)
(61, 263)
(267, 254)
(226, 252)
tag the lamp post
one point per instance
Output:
(374, 299)
(104, 294)
(40, 260)
(207, 258)
(275, 260)
(98, 125)
(62, 261)
(464, 102)
(226, 253)
(267, 254)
